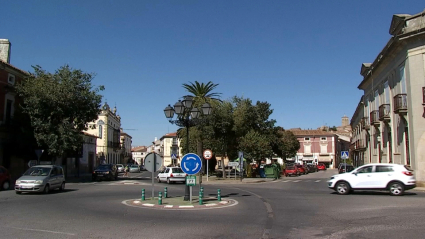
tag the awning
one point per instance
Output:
(325, 159)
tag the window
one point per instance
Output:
(100, 131)
(381, 169)
(323, 138)
(11, 79)
(307, 139)
(8, 111)
(367, 169)
(323, 149)
(387, 92)
(307, 149)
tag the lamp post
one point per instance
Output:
(187, 116)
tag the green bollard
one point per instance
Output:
(143, 194)
(160, 198)
(165, 192)
(219, 195)
(200, 198)
(202, 192)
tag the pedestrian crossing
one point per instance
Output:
(299, 181)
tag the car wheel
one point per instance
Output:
(342, 188)
(62, 187)
(168, 180)
(5, 186)
(46, 189)
(396, 188)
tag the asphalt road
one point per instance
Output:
(295, 207)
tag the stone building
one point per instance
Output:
(388, 123)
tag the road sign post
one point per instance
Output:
(191, 164)
(207, 155)
(152, 163)
(240, 154)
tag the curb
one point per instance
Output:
(138, 203)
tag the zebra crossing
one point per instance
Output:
(298, 181)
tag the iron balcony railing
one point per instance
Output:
(400, 104)
(384, 112)
(374, 117)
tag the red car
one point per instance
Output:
(4, 178)
(301, 169)
(291, 171)
(321, 166)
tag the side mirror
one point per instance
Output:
(355, 173)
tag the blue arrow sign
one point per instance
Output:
(191, 164)
(344, 154)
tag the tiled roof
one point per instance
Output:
(91, 135)
(139, 149)
(311, 132)
(15, 68)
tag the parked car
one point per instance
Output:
(321, 166)
(307, 171)
(142, 168)
(134, 168)
(312, 168)
(120, 168)
(301, 169)
(395, 178)
(171, 174)
(105, 171)
(41, 178)
(291, 171)
(4, 178)
(345, 168)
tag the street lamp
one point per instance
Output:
(187, 116)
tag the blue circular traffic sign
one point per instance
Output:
(191, 164)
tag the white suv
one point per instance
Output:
(395, 178)
(171, 174)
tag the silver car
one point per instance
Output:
(134, 168)
(120, 168)
(41, 178)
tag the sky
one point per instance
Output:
(302, 57)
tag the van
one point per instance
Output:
(41, 178)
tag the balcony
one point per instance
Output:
(365, 123)
(360, 145)
(400, 104)
(374, 118)
(384, 112)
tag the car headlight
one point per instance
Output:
(18, 182)
(107, 172)
(39, 181)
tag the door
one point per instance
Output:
(383, 175)
(363, 178)
(53, 180)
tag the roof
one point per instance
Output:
(14, 67)
(91, 135)
(169, 135)
(298, 132)
(139, 149)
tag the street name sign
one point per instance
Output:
(233, 164)
(190, 180)
(191, 164)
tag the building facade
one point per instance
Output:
(170, 145)
(139, 153)
(126, 141)
(317, 146)
(107, 129)
(389, 122)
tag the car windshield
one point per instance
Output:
(104, 166)
(290, 167)
(177, 170)
(37, 171)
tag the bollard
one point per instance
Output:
(165, 192)
(219, 195)
(143, 194)
(160, 198)
(202, 192)
(200, 198)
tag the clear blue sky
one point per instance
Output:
(303, 57)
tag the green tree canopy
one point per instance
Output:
(59, 106)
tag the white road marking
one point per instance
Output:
(40, 230)
(286, 181)
(317, 181)
(296, 181)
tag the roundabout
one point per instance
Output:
(177, 203)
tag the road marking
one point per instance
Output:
(40, 230)
(286, 181)
(317, 181)
(296, 181)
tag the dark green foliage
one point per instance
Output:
(59, 106)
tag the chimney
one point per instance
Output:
(5, 50)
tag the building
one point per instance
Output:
(170, 145)
(317, 146)
(13, 154)
(139, 153)
(388, 123)
(126, 141)
(107, 129)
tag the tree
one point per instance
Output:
(59, 106)
(290, 144)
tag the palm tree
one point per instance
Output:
(202, 93)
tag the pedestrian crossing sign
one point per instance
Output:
(344, 154)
